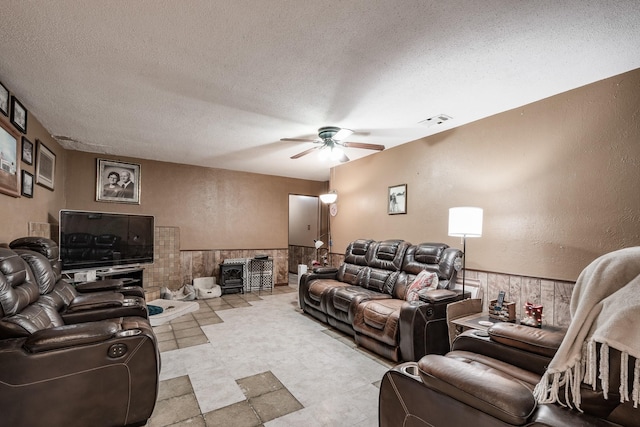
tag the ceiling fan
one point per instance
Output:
(330, 143)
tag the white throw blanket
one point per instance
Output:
(605, 309)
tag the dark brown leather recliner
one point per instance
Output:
(487, 379)
(50, 249)
(101, 373)
(72, 306)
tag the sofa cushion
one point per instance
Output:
(349, 273)
(356, 252)
(424, 280)
(342, 302)
(379, 319)
(387, 255)
(378, 280)
(318, 289)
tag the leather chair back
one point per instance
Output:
(438, 258)
(44, 246)
(355, 259)
(19, 295)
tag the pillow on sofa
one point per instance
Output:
(424, 280)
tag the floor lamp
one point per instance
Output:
(465, 222)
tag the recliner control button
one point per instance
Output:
(117, 350)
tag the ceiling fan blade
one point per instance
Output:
(304, 153)
(299, 139)
(344, 158)
(342, 134)
(363, 145)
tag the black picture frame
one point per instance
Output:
(397, 199)
(27, 151)
(118, 191)
(45, 166)
(27, 184)
(9, 164)
(4, 100)
(19, 115)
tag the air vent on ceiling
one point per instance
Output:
(435, 120)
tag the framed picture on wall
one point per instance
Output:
(117, 182)
(397, 199)
(45, 167)
(27, 151)
(27, 184)
(9, 166)
(18, 115)
(4, 99)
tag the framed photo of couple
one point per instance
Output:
(118, 182)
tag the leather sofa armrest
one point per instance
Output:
(325, 270)
(70, 336)
(532, 340)
(95, 301)
(100, 285)
(437, 295)
(423, 328)
(472, 342)
(500, 397)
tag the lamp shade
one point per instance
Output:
(329, 197)
(318, 243)
(465, 222)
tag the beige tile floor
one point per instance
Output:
(255, 359)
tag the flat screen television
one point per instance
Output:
(104, 241)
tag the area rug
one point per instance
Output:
(171, 309)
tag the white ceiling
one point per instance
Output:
(218, 83)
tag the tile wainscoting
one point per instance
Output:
(554, 295)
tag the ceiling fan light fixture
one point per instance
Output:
(342, 134)
(324, 153)
(336, 153)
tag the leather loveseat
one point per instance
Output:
(366, 296)
(488, 380)
(55, 372)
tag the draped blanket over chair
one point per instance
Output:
(605, 310)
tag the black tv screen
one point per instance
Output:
(101, 240)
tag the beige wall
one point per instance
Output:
(17, 212)
(558, 181)
(214, 208)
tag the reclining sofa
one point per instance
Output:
(89, 373)
(366, 297)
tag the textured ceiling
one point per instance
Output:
(218, 83)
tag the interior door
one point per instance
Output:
(304, 221)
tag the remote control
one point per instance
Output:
(499, 302)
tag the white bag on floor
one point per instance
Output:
(206, 287)
(185, 293)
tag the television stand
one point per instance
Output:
(131, 275)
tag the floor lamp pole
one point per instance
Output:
(464, 262)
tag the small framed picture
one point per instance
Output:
(45, 166)
(9, 165)
(117, 182)
(397, 199)
(27, 151)
(4, 99)
(27, 184)
(18, 115)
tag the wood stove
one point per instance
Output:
(232, 278)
